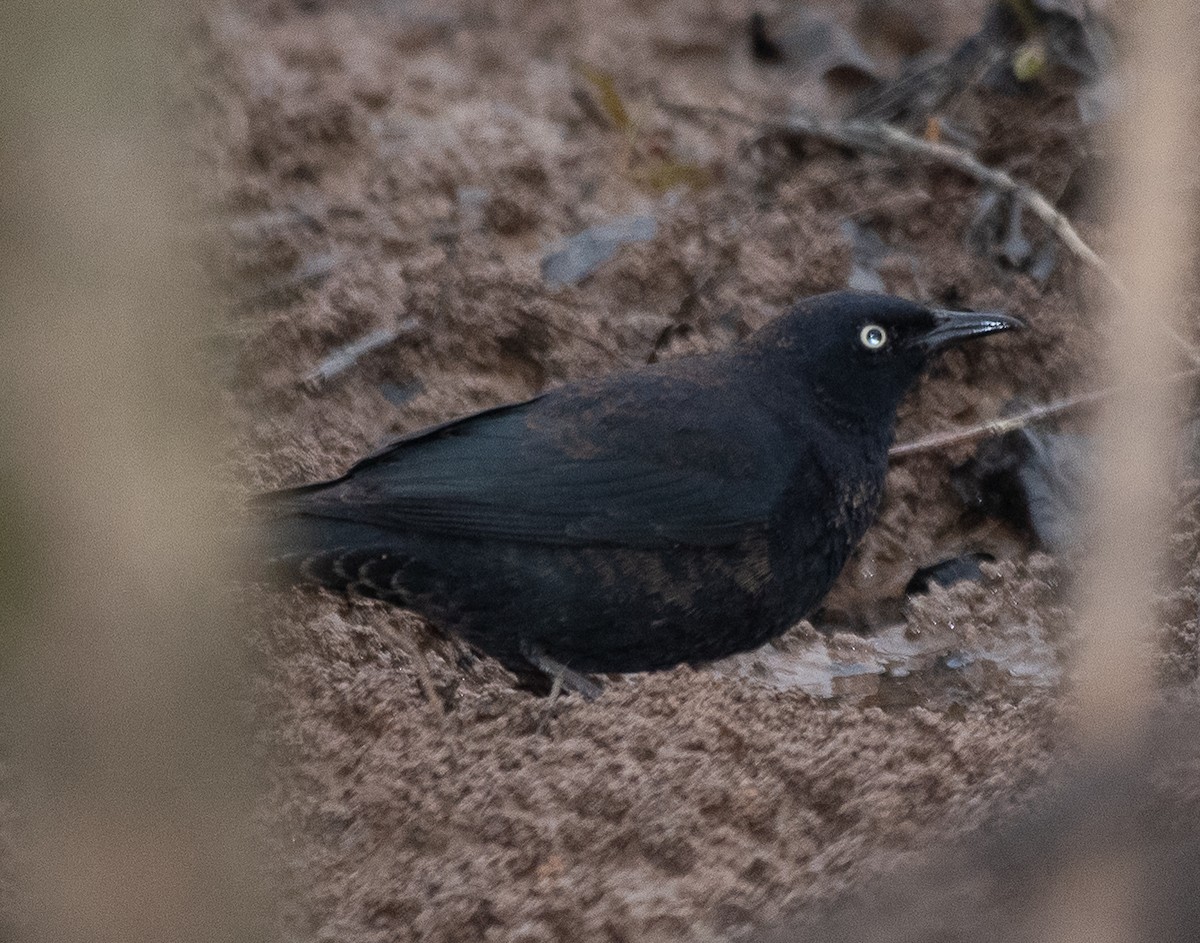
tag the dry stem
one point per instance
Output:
(879, 138)
(950, 437)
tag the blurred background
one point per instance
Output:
(245, 242)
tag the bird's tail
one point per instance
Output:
(299, 546)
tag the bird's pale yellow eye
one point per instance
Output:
(873, 337)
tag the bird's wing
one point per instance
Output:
(547, 474)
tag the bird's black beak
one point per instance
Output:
(951, 327)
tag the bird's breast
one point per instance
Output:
(831, 503)
(854, 504)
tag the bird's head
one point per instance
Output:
(861, 352)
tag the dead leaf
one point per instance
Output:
(604, 87)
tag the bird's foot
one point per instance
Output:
(563, 677)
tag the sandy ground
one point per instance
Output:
(427, 156)
(405, 166)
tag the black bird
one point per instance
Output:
(673, 513)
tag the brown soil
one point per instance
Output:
(372, 164)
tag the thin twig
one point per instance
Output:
(879, 138)
(942, 440)
(962, 161)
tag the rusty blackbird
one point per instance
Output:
(672, 513)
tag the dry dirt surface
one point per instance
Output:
(403, 168)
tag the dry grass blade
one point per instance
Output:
(347, 356)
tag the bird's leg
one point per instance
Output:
(555, 691)
(562, 676)
(548, 712)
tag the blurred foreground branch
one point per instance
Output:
(1154, 233)
(118, 648)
